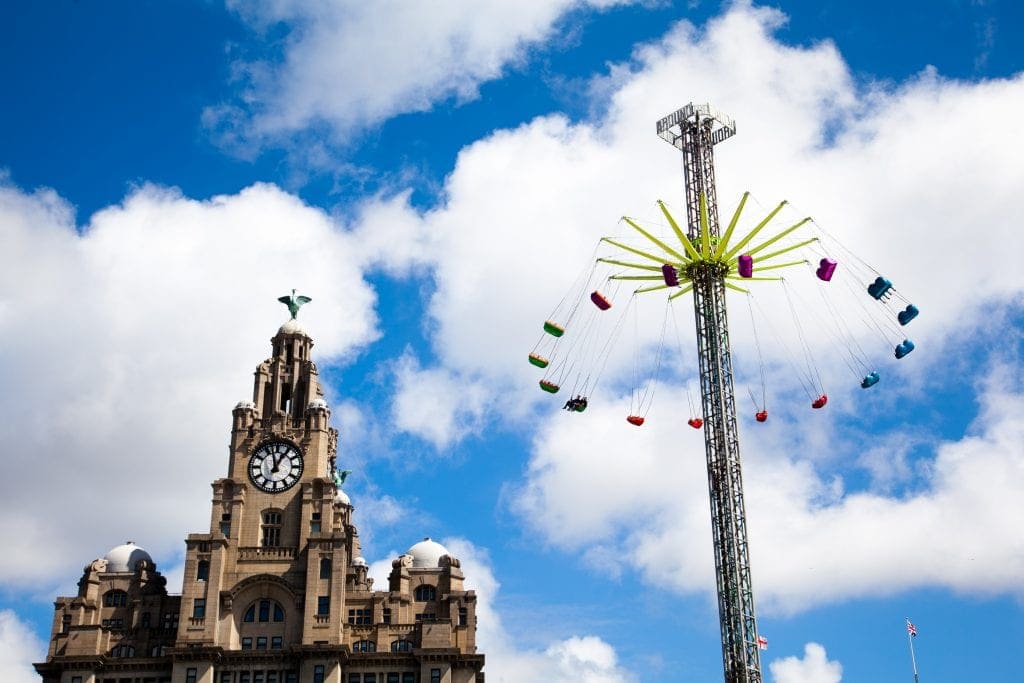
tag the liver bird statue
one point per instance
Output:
(294, 302)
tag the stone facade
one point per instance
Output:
(276, 591)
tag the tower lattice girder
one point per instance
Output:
(695, 129)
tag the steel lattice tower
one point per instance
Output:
(696, 129)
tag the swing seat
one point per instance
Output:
(668, 271)
(554, 329)
(870, 380)
(580, 407)
(745, 265)
(907, 314)
(538, 360)
(634, 420)
(819, 402)
(761, 416)
(903, 348)
(549, 387)
(825, 269)
(695, 422)
(600, 301)
(879, 288)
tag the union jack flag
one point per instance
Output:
(911, 629)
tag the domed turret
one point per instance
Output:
(427, 553)
(124, 558)
(292, 327)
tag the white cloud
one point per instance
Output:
(524, 208)
(571, 659)
(575, 658)
(435, 404)
(812, 542)
(125, 343)
(19, 648)
(815, 667)
(349, 65)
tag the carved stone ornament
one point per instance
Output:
(332, 442)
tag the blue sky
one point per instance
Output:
(435, 180)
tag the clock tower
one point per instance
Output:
(276, 591)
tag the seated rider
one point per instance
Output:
(578, 403)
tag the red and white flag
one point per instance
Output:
(911, 629)
(762, 643)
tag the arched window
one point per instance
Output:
(425, 593)
(401, 646)
(203, 570)
(115, 598)
(265, 611)
(364, 646)
(325, 568)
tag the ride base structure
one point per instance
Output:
(695, 130)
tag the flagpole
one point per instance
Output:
(910, 639)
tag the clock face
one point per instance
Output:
(275, 466)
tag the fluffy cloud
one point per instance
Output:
(871, 164)
(815, 667)
(349, 64)
(575, 658)
(19, 647)
(524, 208)
(434, 404)
(812, 542)
(125, 341)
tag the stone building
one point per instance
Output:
(276, 591)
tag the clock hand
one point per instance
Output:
(277, 461)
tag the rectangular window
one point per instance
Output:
(203, 570)
(225, 677)
(261, 643)
(323, 605)
(145, 619)
(271, 677)
(257, 677)
(318, 673)
(393, 677)
(360, 617)
(369, 678)
(276, 643)
(463, 616)
(199, 608)
(171, 620)
(409, 677)
(225, 528)
(246, 643)
(354, 678)
(291, 677)
(76, 679)
(325, 567)
(435, 676)
(243, 677)
(190, 674)
(386, 615)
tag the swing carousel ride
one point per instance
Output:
(698, 258)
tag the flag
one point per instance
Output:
(911, 629)
(762, 643)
